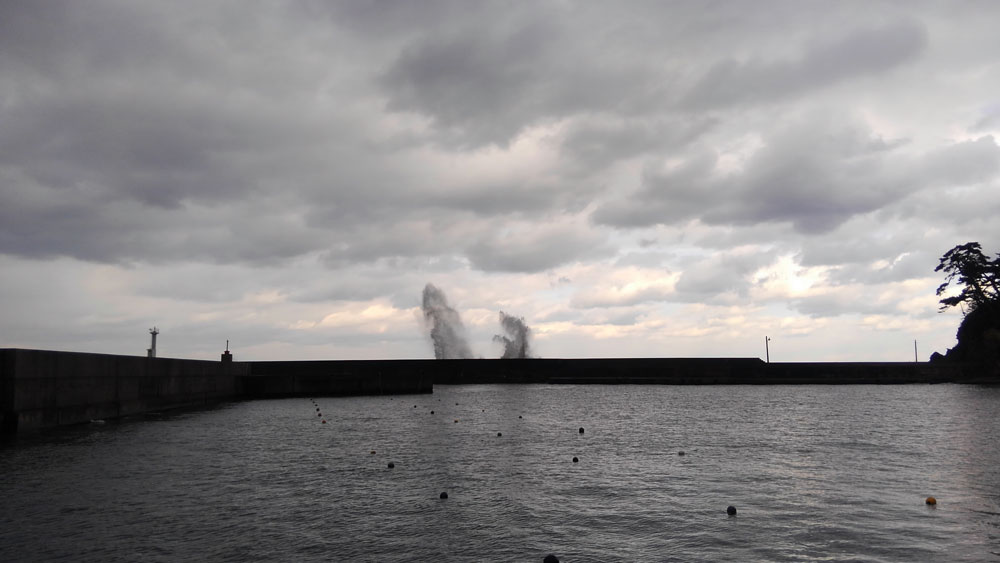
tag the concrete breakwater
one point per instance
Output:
(41, 388)
(44, 388)
(265, 380)
(690, 371)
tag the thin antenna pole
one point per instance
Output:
(915, 357)
(767, 349)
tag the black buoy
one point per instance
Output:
(576, 459)
(391, 465)
(519, 416)
(581, 430)
(432, 412)
(731, 510)
(317, 409)
(680, 453)
(444, 495)
(499, 433)
(550, 559)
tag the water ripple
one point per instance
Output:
(817, 473)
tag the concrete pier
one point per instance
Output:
(41, 388)
(44, 388)
(689, 371)
(338, 378)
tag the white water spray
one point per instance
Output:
(515, 343)
(445, 326)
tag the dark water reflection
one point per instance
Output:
(833, 473)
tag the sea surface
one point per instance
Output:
(832, 473)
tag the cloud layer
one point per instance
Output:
(637, 179)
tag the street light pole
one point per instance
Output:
(767, 350)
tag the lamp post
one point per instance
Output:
(767, 350)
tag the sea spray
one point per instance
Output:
(515, 343)
(445, 326)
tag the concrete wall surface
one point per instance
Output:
(42, 388)
(354, 377)
(689, 371)
(608, 371)
(338, 377)
(864, 373)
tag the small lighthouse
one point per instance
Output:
(151, 352)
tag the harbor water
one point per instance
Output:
(835, 473)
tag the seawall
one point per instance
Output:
(337, 378)
(42, 388)
(689, 371)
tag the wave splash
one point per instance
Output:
(515, 343)
(445, 326)
(447, 333)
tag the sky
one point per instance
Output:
(633, 179)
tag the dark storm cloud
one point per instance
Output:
(858, 53)
(132, 132)
(521, 199)
(485, 84)
(226, 134)
(401, 238)
(455, 79)
(146, 135)
(667, 197)
(159, 154)
(45, 229)
(962, 164)
(272, 164)
(600, 142)
(970, 209)
(45, 38)
(813, 174)
(44, 223)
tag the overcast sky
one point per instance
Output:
(632, 178)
